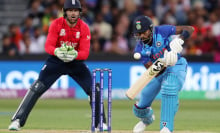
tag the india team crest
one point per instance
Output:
(62, 32)
(158, 44)
(138, 25)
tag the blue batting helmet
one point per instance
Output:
(141, 24)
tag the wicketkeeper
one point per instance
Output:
(155, 42)
(68, 43)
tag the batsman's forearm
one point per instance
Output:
(184, 31)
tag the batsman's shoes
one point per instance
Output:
(15, 125)
(105, 127)
(165, 130)
(139, 127)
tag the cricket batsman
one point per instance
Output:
(163, 42)
(68, 46)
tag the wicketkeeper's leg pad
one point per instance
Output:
(31, 97)
(146, 114)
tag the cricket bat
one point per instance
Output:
(145, 78)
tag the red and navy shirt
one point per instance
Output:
(78, 36)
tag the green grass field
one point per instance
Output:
(71, 114)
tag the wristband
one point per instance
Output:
(185, 34)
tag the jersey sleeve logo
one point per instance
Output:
(88, 37)
(62, 32)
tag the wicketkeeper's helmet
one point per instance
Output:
(141, 24)
(72, 4)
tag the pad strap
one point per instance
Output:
(38, 87)
(146, 114)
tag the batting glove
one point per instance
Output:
(170, 58)
(176, 45)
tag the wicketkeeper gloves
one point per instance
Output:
(71, 54)
(66, 53)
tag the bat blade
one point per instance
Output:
(145, 78)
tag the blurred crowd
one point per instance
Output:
(110, 22)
